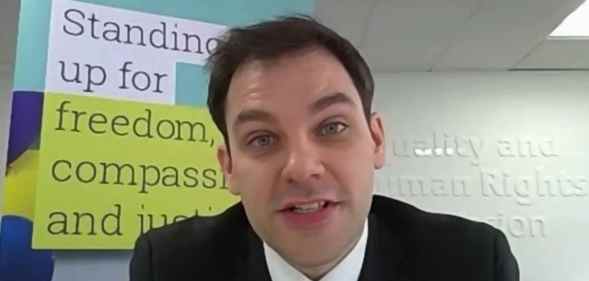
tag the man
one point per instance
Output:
(293, 101)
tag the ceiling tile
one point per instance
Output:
(409, 35)
(558, 54)
(503, 32)
(347, 17)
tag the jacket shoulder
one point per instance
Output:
(446, 244)
(428, 225)
(197, 246)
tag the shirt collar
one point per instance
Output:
(347, 270)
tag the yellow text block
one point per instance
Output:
(110, 170)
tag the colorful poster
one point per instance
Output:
(130, 148)
(109, 134)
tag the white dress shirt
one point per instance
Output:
(347, 270)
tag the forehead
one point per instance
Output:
(292, 81)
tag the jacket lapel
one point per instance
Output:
(245, 257)
(384, 253)
(250, 251)
(256, 266)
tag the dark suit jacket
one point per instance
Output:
(404, 244)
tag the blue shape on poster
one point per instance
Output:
(25, 124)
(18, 262)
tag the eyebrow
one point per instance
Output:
(252, 115)
(330, 100)
(317, 106)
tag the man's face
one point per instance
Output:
(302, 154)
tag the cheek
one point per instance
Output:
(254, 179)
(352, 156)
(353, 167)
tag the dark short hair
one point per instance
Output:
(270, 40)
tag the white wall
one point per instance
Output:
(546, 112)
(9, 11)
(5, 106)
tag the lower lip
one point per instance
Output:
(309, 220)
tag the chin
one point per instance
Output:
(312, 254)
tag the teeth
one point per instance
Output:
(308, 208)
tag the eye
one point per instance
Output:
(332, 128)
(261, 141)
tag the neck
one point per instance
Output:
(315, 273)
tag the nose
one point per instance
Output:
(303, 162)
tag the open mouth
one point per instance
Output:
(308, 207)
(309, 215)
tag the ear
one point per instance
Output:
(377, 134)
(224, 159)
